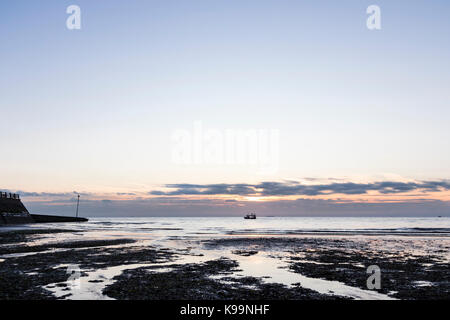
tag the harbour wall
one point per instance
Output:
(12, 211)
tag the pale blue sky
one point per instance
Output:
(94, 109)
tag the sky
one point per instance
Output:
(213, 107)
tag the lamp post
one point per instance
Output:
(78, 204)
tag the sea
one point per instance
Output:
(216, 226)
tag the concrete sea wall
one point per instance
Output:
(12, 210)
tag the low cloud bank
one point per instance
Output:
(297, 188)
(166, 207)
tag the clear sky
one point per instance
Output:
(98, 110)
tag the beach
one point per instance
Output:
(226, 259)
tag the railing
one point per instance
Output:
(9, 195)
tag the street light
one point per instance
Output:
(78, 204)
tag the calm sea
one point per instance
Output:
(270, 225)
(217, 226)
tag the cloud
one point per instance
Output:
(210, 189)
(44, 194)
(175, 200)
(298, 189)
(179, 206)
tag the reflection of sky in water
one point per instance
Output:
(260, 266)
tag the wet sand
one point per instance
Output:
(34, 265)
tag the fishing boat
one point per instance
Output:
(250, 216)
